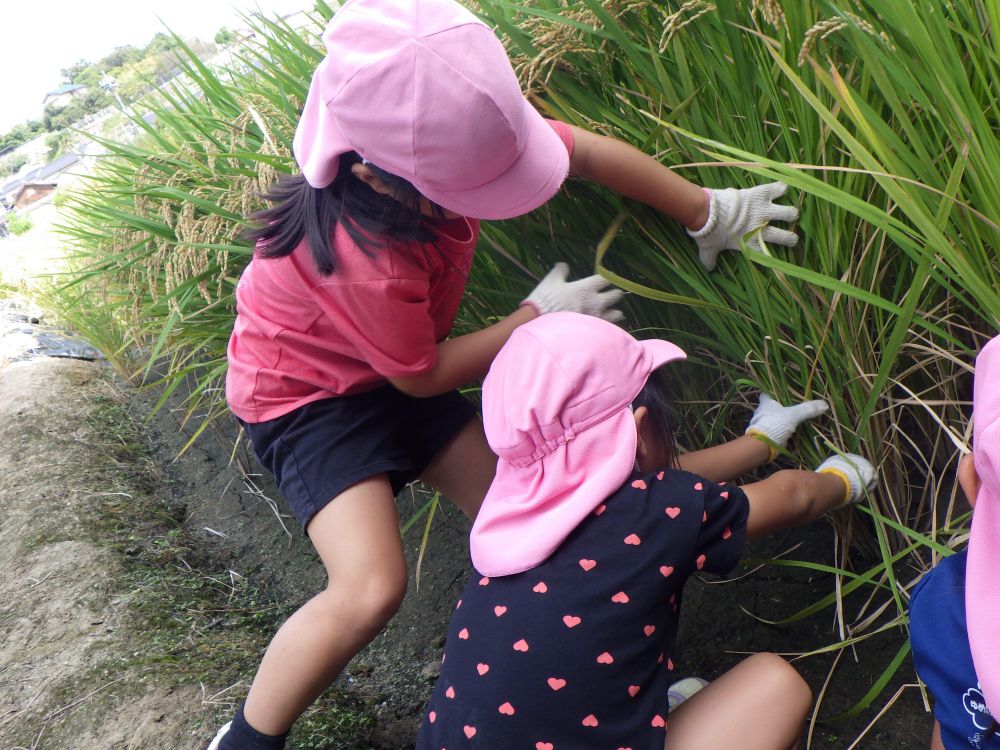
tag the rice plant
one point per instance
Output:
(881, 116)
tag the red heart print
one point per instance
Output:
(639, 484)
(544, 746)
(673, 511)
(660, 660)
(700, 562)
(432, 717)
(484, 581)
(464, 634)
(506, 709)
(499, 610)
(540, 587)
(571, 621)
(658, 721)
(659, 475)
(459, 604)
(482, 668)
(649, 630)
(624, 748)
(666, 570)
(556, 683)
(620, 598)
(724, 495)
(590, 721)
(605, 658)
(670, 665)
(633, 690)
(727, 533)
(600, 509)
(704, 516)
(632, 539)
(521, 645)
(470, 732)
(698, 486)
(450, 692)
(588, 564)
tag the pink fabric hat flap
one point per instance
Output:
(982, 573)
(424, 90)
(556, 411)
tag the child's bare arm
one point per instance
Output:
(716, 219)
(725, 462)
(770, 428)
(794, 497)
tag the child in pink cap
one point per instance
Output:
(340, 367)
(564, 635)
(955, 609)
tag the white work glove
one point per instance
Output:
(733, 214)
(555, 294)
(858, 474)
(776, 423)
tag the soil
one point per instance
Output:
(73, 630)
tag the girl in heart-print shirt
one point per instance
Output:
(563, 638)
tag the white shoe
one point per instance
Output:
(218, 737)
(679, 692)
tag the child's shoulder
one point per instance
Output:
(678, 480)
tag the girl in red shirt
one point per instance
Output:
(340, 365)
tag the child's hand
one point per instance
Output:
(858, 474)
(776, 423)
(735, 213)
(555, 294)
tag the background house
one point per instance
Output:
(63, 95)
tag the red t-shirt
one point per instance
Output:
(300, 336)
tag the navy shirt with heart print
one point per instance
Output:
(577, 651)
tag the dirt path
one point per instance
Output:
(66, 618)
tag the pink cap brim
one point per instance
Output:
(982, 579)
(529, 511)
(318, 142)
(982, 596)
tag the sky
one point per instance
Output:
(38, 38)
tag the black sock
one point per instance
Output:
(242, 736)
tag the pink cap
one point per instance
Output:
(424, 90)
(556, 411)
(982, 572)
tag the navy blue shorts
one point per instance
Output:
(319, 450)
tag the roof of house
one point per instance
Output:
(64, 89)
(63, 163)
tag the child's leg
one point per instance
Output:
(463, 469)
(791, 498)
(357, 537)
(936, 741)
(728, 711)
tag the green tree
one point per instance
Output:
(224, 37)
(11, 164)
(21, 133)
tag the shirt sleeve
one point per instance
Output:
(388, 321)
(722, 537)
(565, 134)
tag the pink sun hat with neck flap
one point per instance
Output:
(424, 90)
(982, 572)
(556, 411)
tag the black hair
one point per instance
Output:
(372, 220)
(654, 397)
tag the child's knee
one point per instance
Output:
(782, 681)
(372, 599)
